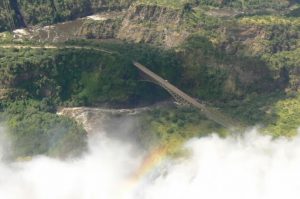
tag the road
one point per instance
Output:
(19, 46)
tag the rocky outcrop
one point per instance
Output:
(100, 120)
(153, 24)
(99, 29)
(20, 13)
(154, 13)
(3, 93)
(12, 94)
(140, 23)
(100, 26)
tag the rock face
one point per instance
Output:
(153, 24)
(97, 119)
(3, 93)
(140, 23)
(101, 26)
(232, 34)
(20, 13)
(11, 94)
(122, 124)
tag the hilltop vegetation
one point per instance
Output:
(34, 82)
(240, 4)
(34, 128)
(65, 77)
(19, 13)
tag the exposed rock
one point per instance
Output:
(99, 29)
(11, 93)
(97, 119)
(3, 93)
(15, 14)
(140, 23)
(153, 24)
(153, 13)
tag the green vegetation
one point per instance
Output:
(106, 29)
(270, 20)
(17, 13)
(254, 4)
(63, 76)
(275, 113)
(166, 3)
(241, 4)
(7, 16)
(240, 56)
(295, 12)
(35, 81)
(34, 129)
(287, 123)
(212, 74)
(255, 109)
(170, 127)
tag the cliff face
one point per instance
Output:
(141, 23)
(242, 54)
(102, 26)
(7, 18)
(153, 24)
(103, 29)
(100, 120)
(20, 13)
(238, 45)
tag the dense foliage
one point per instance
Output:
(170, 127)
(241, 56)
(35, 81)
(7, 16)
(17, 13)
(64, 76)
(241, 4)
(34, 129)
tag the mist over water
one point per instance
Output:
(251, 166)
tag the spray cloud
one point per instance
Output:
(252, 166)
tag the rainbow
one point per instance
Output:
(150, 162)
(154, 158)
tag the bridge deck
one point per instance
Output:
(209, 112)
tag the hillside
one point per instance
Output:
(239, 56)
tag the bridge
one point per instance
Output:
(184, 99)
(179, 96)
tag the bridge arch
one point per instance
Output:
(183, 98)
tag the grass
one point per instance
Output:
(173, 126)
(270, 20)
(278, 114)
(176, 4)
(287, 123)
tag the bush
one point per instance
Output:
(87, 76)
(33, 131)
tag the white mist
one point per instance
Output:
(248, 167)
